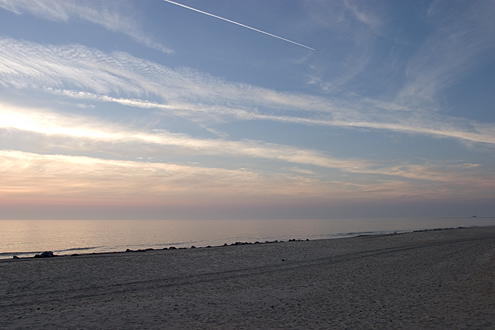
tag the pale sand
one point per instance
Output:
(424, 280)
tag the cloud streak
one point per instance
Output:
(103, 14)
(65, 178)
(46, 178)
(52, 130)
(200, 97)
(72, 127)
(455, 47)
(483, 133)
(237, 23)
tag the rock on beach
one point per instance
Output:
(46, 254)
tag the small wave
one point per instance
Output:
(10, 254)
(5, 255)
(80, 249)
(359, 233)
(353, 234)
(158, 245)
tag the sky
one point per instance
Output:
(230, 109)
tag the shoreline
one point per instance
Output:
(21, 255)
(417, 280)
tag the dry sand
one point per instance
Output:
(423, 280)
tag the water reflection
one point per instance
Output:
(88, 236)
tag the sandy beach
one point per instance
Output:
(441, 279)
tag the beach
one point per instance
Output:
(436, 279)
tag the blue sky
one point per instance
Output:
(153, 110)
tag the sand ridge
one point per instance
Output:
(422, 280)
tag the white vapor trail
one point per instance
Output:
(237, 23)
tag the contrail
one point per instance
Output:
(240, 24)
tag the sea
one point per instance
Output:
(25, 238)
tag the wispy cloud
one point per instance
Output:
(82, 125)
(97, 12)
(456, 46)
(71, 127)
(406, 82)
(354, 29)
(75, 177)
(483, 133)
(80, 72)
(80, 133)
(32, 177)
(364, 16)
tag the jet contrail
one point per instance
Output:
(240, 24)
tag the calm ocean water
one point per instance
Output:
(28, 237)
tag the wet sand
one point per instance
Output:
(423, 280)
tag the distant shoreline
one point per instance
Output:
(21, 255)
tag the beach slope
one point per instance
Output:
(441, 279)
